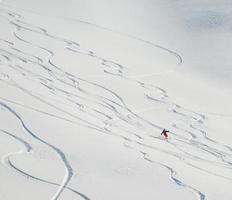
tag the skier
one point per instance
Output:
(165, 133)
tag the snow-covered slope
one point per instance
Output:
(86, 87)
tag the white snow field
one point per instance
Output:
(86, 87)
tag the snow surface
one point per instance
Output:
(86, 88)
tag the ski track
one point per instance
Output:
(7, 161)
(69, 170)
(110, 111)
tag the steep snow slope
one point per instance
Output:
(86, 91)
